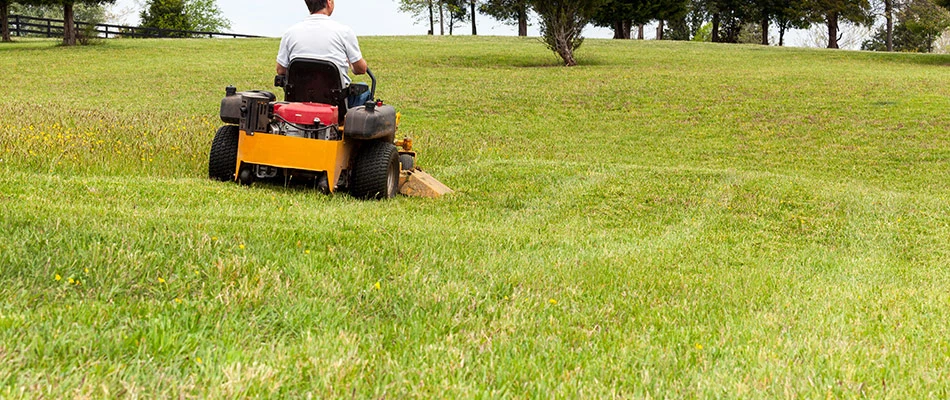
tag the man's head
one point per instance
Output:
(320, 6)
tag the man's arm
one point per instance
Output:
(359, 67)
(281, 70)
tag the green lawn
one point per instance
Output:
(665, 220)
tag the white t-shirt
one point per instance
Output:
(322, 38)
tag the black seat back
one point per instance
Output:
(314, 81)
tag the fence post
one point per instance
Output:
(16, 18)
(49, 28)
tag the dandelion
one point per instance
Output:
(306, 251)
(198, 360)
(160, 280)
(699, 346)
(552, 301)
(57, 277)
(178, 300)
(241, 246)
(214, 238)
(506, 297)
(377, 285)
(72, 281)
(86, 270)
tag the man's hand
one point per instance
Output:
(359, 67)
(281, 70)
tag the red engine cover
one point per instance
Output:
(305, 113)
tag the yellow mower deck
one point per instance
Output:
(330, 156)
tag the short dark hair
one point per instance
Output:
(316, 5)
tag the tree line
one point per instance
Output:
(908, 25)
(173, 15)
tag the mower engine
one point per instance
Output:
(306, 120)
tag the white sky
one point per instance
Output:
(368, 18)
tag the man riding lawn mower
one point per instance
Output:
(313, 135)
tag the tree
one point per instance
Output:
(788, 14)
(419, 8)
(728, 17)
(184, 15)
(70, 37)
(508, 11)
(919, 25)
(457, 11)
(474, 30)
(166, 15)
(562, 22)
(622, 15)
(832, 12)
(205, 16)
(674, 11)
(4, 20)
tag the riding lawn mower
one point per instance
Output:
(314, 136)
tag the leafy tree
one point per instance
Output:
(562, 22)
(789, 14)
(86, 12)
(674, 11)
(166, 15)
(831, 12)
(184, 15)
(622, 15)
(508, 11)
(704, 34)
(205, 16)
(728, 17)
(919, 25)
(457, 11)
(450, 11)
(420, 8)
(69, 7)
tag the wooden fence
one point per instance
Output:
(21, 25)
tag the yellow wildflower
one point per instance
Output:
(178, 300)
(160, 280)
(198, 360)
(57, 277)
(699, 346)
(377, 286)
(552, 301)
(241, 246)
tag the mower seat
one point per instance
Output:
(314, 81)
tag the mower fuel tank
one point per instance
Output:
(307, 113)
(231, 104)
(370, 122)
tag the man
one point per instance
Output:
(322, 38)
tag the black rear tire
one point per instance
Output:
(376, 171)
(223, 158)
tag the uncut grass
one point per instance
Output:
(665, 220)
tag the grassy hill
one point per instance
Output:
(665, 220)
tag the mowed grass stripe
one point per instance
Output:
(666, 220)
